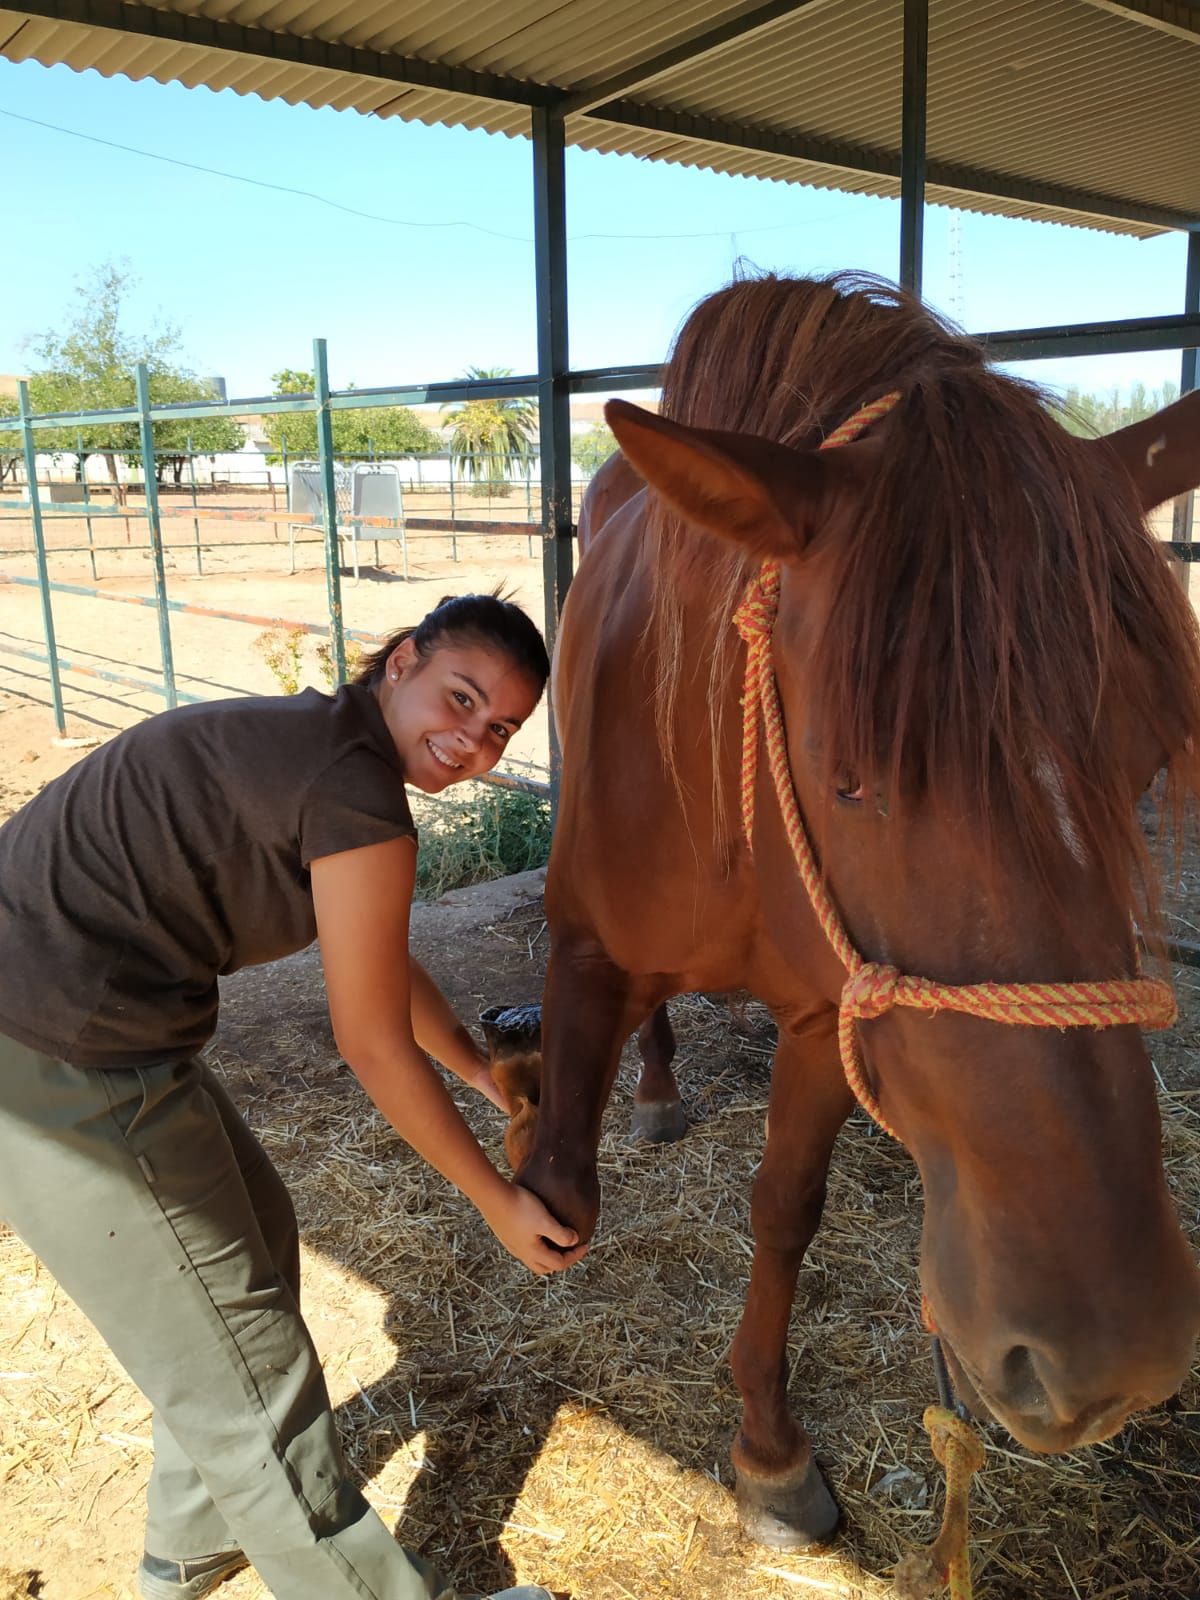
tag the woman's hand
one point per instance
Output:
(483, 1081)
(531, 1233)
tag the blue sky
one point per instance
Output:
(251, 274)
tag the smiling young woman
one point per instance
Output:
(206, 839)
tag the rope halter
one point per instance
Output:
(871, 989)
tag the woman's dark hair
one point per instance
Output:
(487, 620)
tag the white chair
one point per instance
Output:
(306, 498)
(377, 492)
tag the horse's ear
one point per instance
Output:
(1161, 453)
(763, 495)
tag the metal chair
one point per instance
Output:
(306, 498)
(378, 492)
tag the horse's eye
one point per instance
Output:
(848, 788)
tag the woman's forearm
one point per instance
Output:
(415, 1101)
(437, 1030)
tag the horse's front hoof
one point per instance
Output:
(658, 1121)
(794, 1512)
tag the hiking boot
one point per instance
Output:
(159, 1579)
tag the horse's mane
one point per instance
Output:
(999, 584)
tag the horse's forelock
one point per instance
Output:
(999, 584)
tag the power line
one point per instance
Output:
(373, 216)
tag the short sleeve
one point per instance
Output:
(357, 800)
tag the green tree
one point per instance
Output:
(1087, 415)
(590, 450)
(90, 367)
(386, 431)
(488, 437)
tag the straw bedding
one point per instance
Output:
(574, 1431)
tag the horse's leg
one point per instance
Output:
(782, 1498)
(657, 1109)
(590, 1007)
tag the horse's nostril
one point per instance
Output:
(1021, 1387)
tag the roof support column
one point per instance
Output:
(554, 411)
(912, 143)
(1183, 529)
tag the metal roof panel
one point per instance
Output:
(1081, 95)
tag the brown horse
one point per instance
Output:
(983, 661)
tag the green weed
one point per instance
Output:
(480, 833)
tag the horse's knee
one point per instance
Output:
(785, 1210)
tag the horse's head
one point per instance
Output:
(983, 662)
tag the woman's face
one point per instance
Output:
(451, 715)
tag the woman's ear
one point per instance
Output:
(402, 659)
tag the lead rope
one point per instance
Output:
(872, 988)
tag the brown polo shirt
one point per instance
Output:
(174, 853)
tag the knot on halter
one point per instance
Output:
(755, 616)
(871, 990)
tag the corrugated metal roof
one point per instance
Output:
(1063, 106)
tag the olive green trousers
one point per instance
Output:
(160, 1214)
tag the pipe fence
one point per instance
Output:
(331, 521)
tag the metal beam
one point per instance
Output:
(1094, 338)
(611, 380)
(1183, 513)
(554, 398)
(39, 550)
(325, 55)
(329, 511)
(912, 143)
(688, 47)
(154, 525)
(1180, 21)
(886, 164)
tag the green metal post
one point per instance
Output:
(287, 497)
(912, 142)
(529, 504)
(554, 406)
(195, 522)
(333, 579)
(39, 546)
(453, 513)
(154, 522)
(1184, 511)
(82, 459)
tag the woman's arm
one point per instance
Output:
(439, 1032)
(362, 900)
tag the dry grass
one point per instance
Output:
(574, 1431)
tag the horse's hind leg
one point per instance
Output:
(657, 1109)
(782, 1498)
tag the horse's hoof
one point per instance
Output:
(658, 1121)
(794, 1512)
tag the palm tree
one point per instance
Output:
(489, 436)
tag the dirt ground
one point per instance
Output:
(572, 1431)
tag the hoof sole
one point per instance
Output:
(658, 1122)
(793, 1513)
